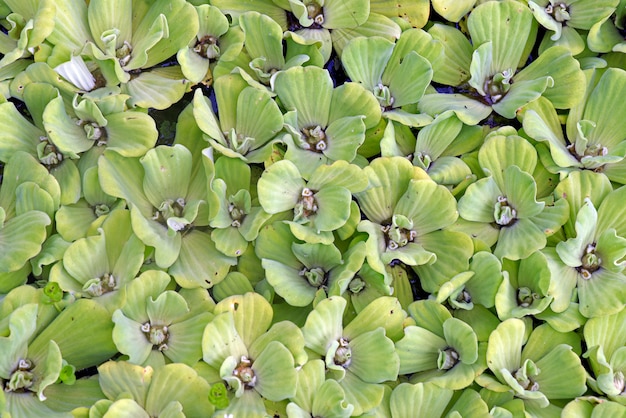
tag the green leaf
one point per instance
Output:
(18, 133)
(345, 14)
(280, 187)
(454, 66)
(462, 338)
(158, 88)
(546, 128)
(385, 312)
(421, 399)
(275, 372)
(468, 110)
(558, 63)
(603, 294)
(167, 246)
(129, 339)
(307, 90)
(221, 340)
(521, 192)
(504, 24)
(167, 172)
(480, 68)
(199, 263)
(365, 59)
(521, 93)
(104, 15)
(437, 214)
(122, 177)
(600, 108)
(414, 12)
(499, 152)
(324, 324)
(330, 400)
(364, 396)
(189, 391)
(367, 350)
(205, 118)
(344, 136)
(263, 39)
(21, 238)
(68, 327)
(258, 117)
(351, 99)
(178, 36)
(21, 326)
(67, 136)
(453, 10)
(504, 352)
(477, 203)
(341, 174)
(519, 240)
(136, 125)
(251, 312)
(289, 283)
(120, 378)
(562, 375)
(167, 308)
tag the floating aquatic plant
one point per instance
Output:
(505, 203)
(595, 134)
(438, 348)
(352, 353)
(546, 368)
(564, 17)
(125, 40)
(255, 361)
(165, 205)
(215, 41)
(491, 76)
(325, 124)
(298, 208)
(238, 133)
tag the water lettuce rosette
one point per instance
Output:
(321, 205)
(249, 119)
(352, 352)
(303, 272)
(438, 348)
(254, 359)
(594, 132)
(97, 265)
(389, 70)
(166, 201)
(488, 78)
(536, 368)
(125, 39)
(312, 208)
(154, 323)
(504, 205)
(216, 40)
(268, 51)
(401, 215)
(237, 216)
(325, 123)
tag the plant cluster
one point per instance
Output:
(312, 208)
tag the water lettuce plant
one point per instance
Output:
(125, 40)
(489, 73)
(297, 208)
(325, 123)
